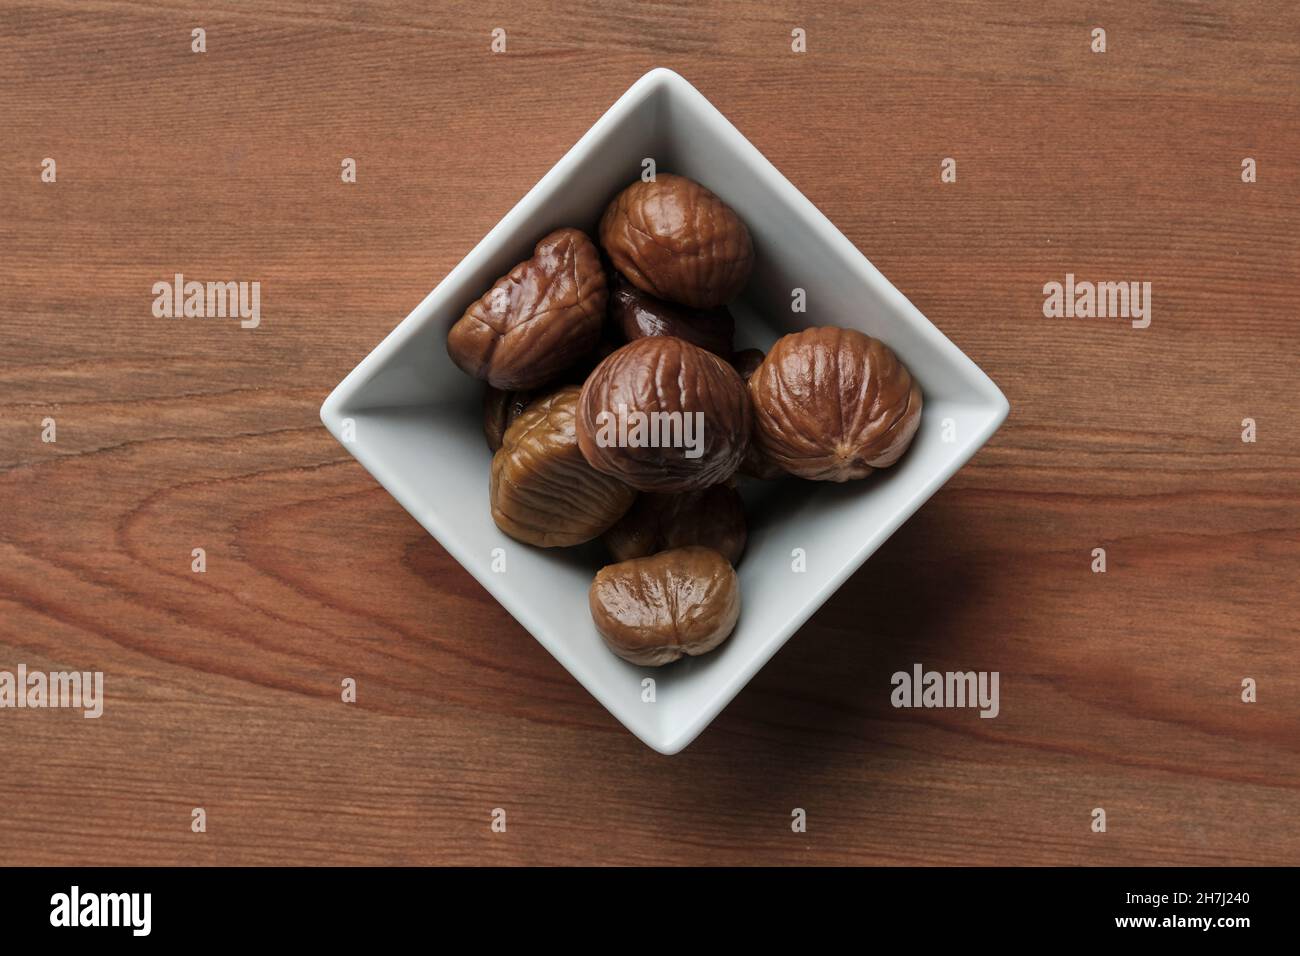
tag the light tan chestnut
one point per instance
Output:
(538, 319)
(654, 610)
(542, 490)
(663, 415)
(833, 404)
(676, 240)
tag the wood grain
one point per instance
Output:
(1118, 690)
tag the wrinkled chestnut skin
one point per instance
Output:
(640, 315)
(651, 611)
(543, 492)
(500, 409)
(713, 518)
(676, 240)
(657, 375)
(538, 319)
(833, 404)
(756, 464)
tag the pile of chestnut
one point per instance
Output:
(570, 342)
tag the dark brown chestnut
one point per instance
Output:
(713, 518)
(663, 415)
(537, 320)
(640, 315)
(675, 239)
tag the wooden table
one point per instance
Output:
(1119, 690)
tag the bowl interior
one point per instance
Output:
(417, 424)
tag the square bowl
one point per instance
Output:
(414, 420)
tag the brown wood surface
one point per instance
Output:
(1119, 691)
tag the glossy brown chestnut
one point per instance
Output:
(537, 320)
(833, 404)
(640, 315)
(542, 490)
(654, 610)
(663, 415)
(678, 241)
(713, 518)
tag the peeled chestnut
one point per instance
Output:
(538, 319)
(713, 518)
(653, 610)
(755, 464)
(661, 414)
(500, 409)
(833, 404)
(678, 241)
(543, 492)
(639, 315)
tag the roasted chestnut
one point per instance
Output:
(651, 611)
(542, 490)
(673, 238)
(713, 518)
(663, 415)
(537, 320)
(640, 315)
(833, 404)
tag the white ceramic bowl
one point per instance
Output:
(417, 422)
